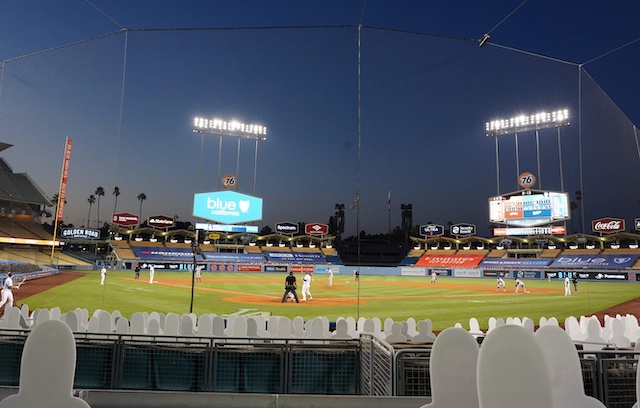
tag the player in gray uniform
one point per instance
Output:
(501, 284)
(520, 284)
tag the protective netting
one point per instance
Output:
(409, 117)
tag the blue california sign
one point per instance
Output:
(227, 207)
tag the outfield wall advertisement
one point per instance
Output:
(515, 262)
(441, 271)
(410, 271)
(300, 257)
(467, 273)
(233, 257)
(595, 261)
(594, 275)
(152, 253)
(450, 261)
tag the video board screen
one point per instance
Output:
(529, 208)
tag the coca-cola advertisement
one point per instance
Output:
(607, 225)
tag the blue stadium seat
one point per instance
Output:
(227, 375)
(309, 372)
(262, 373)
(93, 366)
(178, 370)
(11, 353)
(136, 368)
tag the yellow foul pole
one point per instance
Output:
(61, 192)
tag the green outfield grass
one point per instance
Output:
(448, 301)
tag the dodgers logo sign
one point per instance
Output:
(227, 207)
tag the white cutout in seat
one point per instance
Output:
(47, 369)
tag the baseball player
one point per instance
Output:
(520, 284)
(7, 294)
(306, 287)
(501, 284)
(434, 276)
(152, 271)
(567, 286)
(198, 276)
(330, 273)
(103, 274)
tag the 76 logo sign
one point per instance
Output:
(527, 180)
(229, 181)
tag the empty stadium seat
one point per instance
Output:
(137, 373)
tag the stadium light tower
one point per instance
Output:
(235, 129)
(525, 123)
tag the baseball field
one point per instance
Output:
(446, 302)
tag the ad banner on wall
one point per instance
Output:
(467, 273)
(441, 271)
(299, 257)
(409, 271)
(595, 261)
(516, 262)
(450, 260)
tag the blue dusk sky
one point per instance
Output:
(398, 105)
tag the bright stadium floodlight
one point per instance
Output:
(524, 123)
(233, 128)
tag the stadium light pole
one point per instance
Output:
(235, 129)
(525, 123)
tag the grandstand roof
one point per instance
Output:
(18, 187)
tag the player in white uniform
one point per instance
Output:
(520, 284)
(501, 284)
(306, 287)
(152, 271)
(103, 274)
(198, 276)
(434, 276)
(567, 286)
(330, 273)
(7, 294)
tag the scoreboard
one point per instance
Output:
(529, 208)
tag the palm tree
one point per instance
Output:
(100, 193)
(116, 192)
(90, 200)
(141, 197)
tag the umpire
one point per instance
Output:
(290, 286)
